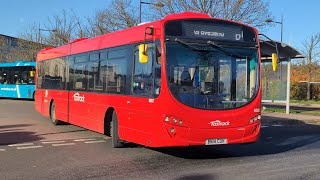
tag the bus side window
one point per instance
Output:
(80, 77)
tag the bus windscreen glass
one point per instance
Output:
(205, 75)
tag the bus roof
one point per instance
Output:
(18, 63)
(127, 36)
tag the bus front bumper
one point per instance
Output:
(183, 136)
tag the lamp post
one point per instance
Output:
(281, 23)
(159, 4)
(39, 30)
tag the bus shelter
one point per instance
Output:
(276, 85)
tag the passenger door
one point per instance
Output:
(78, 106)
(142, 106)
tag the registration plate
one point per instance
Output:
(216, 141)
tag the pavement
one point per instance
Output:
(294, 106)
(289, 119)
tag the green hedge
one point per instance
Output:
(299, 91)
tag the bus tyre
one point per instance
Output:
(53, 115)
(116, 141)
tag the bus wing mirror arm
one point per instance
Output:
(275, 56)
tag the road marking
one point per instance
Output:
(264, 126)
(91, 142)
(52, 142)
(21, 144)
(2, 150)
(277, 125)
(296, 139)
(80, 140)
(65, 144)
(29, 147)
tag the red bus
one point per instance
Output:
(184, 80)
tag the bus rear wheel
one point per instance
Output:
(116, 141)
(53, 115)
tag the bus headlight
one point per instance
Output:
(173, 120)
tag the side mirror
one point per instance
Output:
(274, 62)
(143, 53)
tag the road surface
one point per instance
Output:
(32, 148)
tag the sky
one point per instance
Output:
(301, 18)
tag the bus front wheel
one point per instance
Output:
(53, 115)
(116, 141)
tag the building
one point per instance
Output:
(8, 47)
(12, 49)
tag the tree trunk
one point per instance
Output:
(309, 80)
(308, 90)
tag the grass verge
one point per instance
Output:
(304, 102)
(278, 110)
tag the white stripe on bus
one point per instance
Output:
(18, 92)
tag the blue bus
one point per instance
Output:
(17, 79)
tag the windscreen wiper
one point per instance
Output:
(187, 45)
(220, 48)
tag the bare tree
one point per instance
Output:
(31, 34)
(253, 12)
(311, 49)
(66, 26)
(59, 30)
(120, 14)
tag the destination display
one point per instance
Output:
(209, 29)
